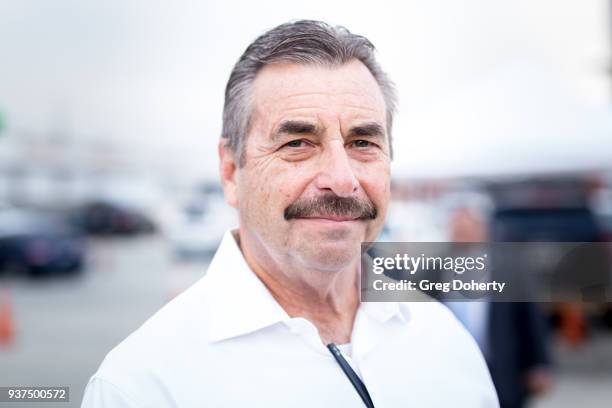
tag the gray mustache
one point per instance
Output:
(332, 205)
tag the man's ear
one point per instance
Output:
(228, 169)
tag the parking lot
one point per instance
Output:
(65, 326)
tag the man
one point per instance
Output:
(305, 159)
(512, 335)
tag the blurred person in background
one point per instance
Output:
(277, 320)
(511, 335)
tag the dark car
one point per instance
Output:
(106, 218)
(39, 243)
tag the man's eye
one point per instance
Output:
(362, 144)
(296, 143)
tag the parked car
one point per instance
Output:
(107, 218)
(39, 243)
(200, 229)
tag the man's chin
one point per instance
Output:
(329, 255)
(328, 245)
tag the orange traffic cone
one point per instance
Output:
(7, 324)
(573, 324)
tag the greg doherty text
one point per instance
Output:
(426, 285)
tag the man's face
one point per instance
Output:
(467, 226)
(316, 179)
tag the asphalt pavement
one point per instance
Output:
(64, 327)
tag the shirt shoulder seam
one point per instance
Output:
(124, 394)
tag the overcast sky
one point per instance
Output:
(152, 73)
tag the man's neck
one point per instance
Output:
(328, 299)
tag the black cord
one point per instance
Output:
(351, 375)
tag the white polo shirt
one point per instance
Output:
(226, 342)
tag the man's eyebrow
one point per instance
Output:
(367, 129)
(296, 127)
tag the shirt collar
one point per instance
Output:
(381, 312)
(239, 302)
(385, 311)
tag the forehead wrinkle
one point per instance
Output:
(352, 114)
(325, 93)
(362, 108)
(345, 98)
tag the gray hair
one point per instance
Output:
(300, 42)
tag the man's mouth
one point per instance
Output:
(337, 218)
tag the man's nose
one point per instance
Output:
(336, 173)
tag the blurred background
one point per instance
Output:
(110, 205)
